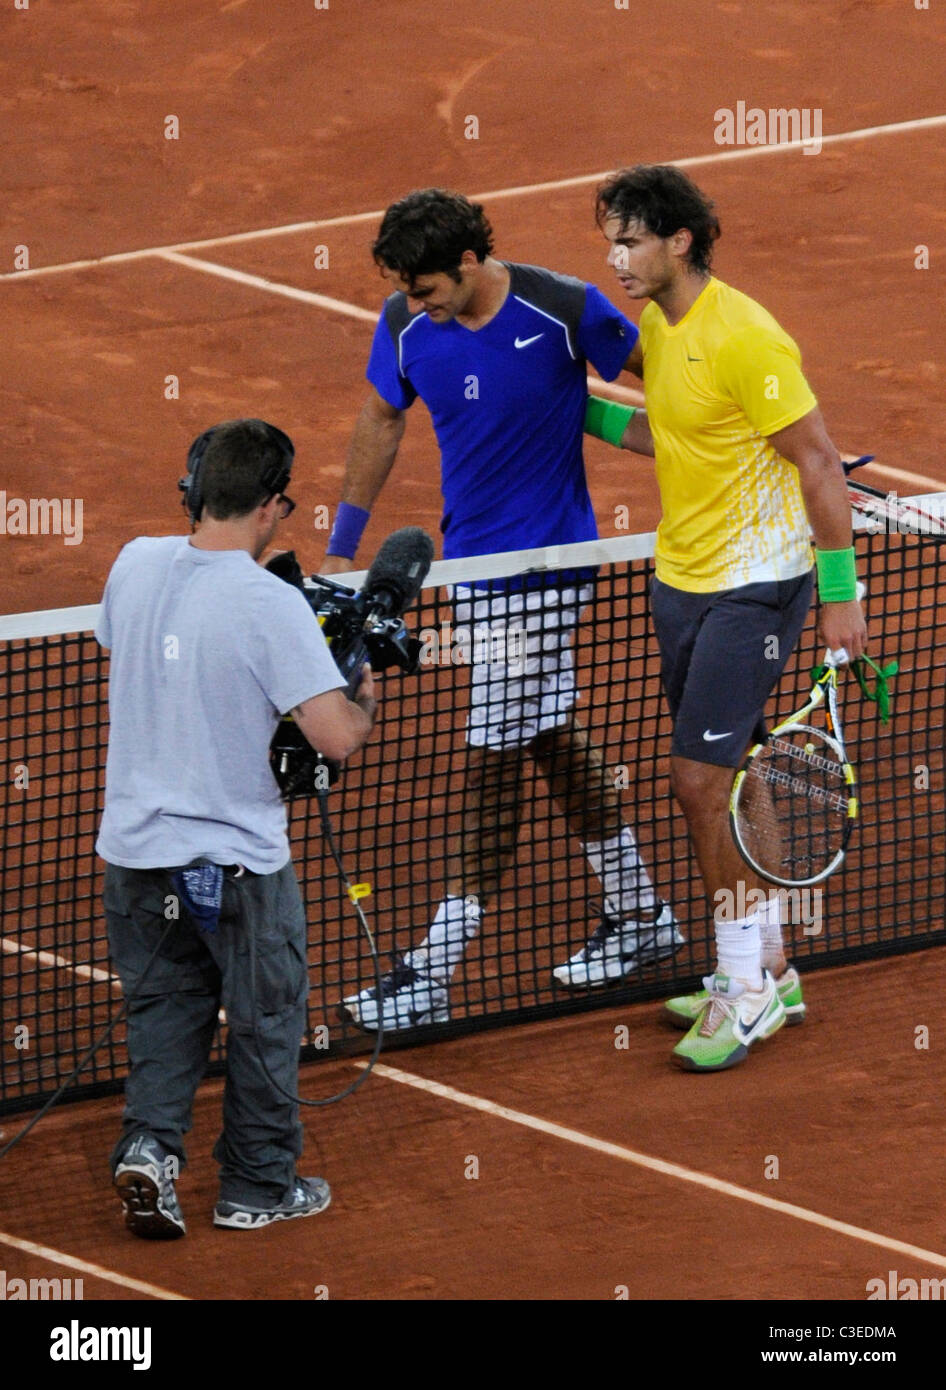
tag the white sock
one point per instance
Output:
(457, 922)
(627, 886)
(770, 931)
(739, 951)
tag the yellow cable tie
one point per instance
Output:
(359, 890)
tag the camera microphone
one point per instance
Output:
(398, 572)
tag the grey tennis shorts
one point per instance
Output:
(721, 655)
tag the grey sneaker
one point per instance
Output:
(148, 1198)
(306, 1197)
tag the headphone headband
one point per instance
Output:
(273, 480)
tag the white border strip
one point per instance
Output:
(659, 1165)
(609, 550)
(56, 1257)
(48, 622)
(521, 190)
(612, 550)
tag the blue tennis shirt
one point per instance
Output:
(508, 404)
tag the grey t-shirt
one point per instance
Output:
(207, 651)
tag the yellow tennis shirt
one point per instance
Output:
(717, 384)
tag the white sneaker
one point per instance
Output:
(408, 998)
(732, 1020)
(618, 948)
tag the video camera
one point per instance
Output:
(360, 626)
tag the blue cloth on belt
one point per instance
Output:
(200, 888)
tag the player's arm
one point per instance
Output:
(335, 725)
(807, 445)
(635, 362)
(371, 453)
(625, 427)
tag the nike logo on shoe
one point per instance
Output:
(524, 342)
(711, 738)
(746, 1027)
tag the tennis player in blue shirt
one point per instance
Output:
(497, 352)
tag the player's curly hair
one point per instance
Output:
(664, 200)
(428, 231)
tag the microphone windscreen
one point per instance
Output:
(400, 566)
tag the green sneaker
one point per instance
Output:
(732, 1020)
(685, 1009)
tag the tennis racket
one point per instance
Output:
(794, 801)
(887, 511)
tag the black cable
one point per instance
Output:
(92, 1050)
(322, 795)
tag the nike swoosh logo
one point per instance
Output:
(693, 359)
(524, 342)
(746, 1028)
(711, 738)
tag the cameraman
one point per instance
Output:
(202, 904)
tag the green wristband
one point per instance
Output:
(607, 420)
(837, 576)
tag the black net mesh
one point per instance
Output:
(411, 817)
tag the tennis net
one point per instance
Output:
(404, 798)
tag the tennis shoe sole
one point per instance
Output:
(148, 1212)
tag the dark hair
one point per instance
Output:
(245, 463)
(428, 231)
(664, 200)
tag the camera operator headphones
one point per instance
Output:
(273, 481)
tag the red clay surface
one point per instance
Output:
(322, 114)
(856, 1132)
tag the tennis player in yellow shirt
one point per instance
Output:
(747, 473)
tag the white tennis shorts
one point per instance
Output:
(522, 681)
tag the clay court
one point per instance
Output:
(233, 262)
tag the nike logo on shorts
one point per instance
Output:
(711, 738)
(524, 342)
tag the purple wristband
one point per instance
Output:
(350, 522)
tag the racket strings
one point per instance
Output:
(794, 805)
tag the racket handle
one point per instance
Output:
(836, 658)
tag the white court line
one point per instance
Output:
(257, 282)
(56, 1257)
(89, 972)
(521, 190)
(904, 476)
(658, 1165)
